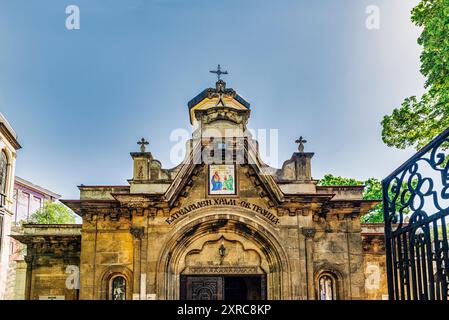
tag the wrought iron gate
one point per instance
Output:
(416, 206)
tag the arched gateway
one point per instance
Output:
(220, 225)
(218, 249)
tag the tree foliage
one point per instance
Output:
(331, 180)
(419, 120)
(372, 191)
(53, 213)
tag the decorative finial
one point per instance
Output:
(218, 72)
(301, 142)
(142, 144)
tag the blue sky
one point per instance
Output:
(80, 99)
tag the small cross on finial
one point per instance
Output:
(301, 142)
(142, 144)
(218, 72)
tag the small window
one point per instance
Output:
(118, 288)
(3, 172)
(326, 288)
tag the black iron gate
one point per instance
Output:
(416, 209)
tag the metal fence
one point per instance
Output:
(416, 206)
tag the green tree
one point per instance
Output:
(372, 191)
(419, 120)
(331, 180)
(53, 213)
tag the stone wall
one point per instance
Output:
(49, 278)
(106, 249)
(17, 282)
(338, 252)
(374, 262)
(52, 261)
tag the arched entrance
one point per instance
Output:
(213, 254)
(222, 267)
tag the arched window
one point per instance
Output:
(3, 172)
(118, 288)
(326, 287)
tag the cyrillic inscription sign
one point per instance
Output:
(223, 202)
(222, 270)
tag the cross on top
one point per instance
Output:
(300, 143)
(218, 72)
(143, 143)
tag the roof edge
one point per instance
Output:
(204, 94)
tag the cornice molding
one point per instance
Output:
(11, 139)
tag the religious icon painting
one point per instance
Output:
(222, 179)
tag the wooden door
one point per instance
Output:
(202, 288)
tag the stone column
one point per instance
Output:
(309, 234)
(143, 266)
(29, 274)
(138, 233)
(19, 286)
(153, 250)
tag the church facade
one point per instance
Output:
(220, 225)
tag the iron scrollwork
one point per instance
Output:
(416, 206)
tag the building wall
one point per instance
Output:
(25, 204)
(104, 252)
(6, 212)
(28, 198)
(338, 250)
(15, 286)
(51, 264)
(112, 247)
(49, 277)
(376, 286)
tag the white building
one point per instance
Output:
(8, 152)
(28, 198)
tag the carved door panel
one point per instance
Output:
(204, 288)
